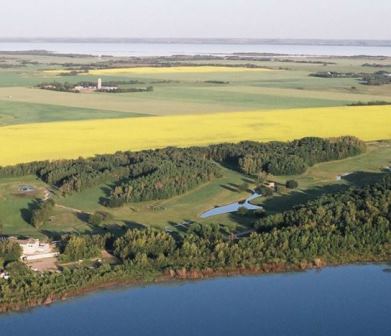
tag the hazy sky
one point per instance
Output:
(357, 19)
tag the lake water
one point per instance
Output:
(233, 207)
(348, 300)
(168, 49)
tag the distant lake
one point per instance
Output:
(348, 300)
(168, 49)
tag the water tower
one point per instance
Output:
(99, 87)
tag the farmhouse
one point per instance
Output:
(33, 249)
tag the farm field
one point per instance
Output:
(227, 86)
(59, 140)
(12, 113)
(228, 101)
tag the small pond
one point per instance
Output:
(233, 207)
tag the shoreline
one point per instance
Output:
(180, 276)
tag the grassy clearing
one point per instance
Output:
(14, 206)
(166, 212)
(61, 140)
(322, 178)
(172, 211)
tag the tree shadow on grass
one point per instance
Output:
(248, 180)
(27, 212)
(107, 192)
(54, 235)
(229, 187)
(244, 221)
(134, 225)
(82, 216)
(360, 178)
(286, 202)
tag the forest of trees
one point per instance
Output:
(163, 173)
(350, 226)
(83, 247)
(169, 179)
(284, 158)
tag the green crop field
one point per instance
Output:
(23, 113)
(287, 85)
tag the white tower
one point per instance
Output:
(99, 87)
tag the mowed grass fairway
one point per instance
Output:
(60, 140)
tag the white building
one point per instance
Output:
(99, 87)
(33, 249)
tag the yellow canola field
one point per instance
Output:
(60, 140)
(164, 70)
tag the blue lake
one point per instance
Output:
(348, 300)
(168, 49)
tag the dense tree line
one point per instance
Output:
(285, 158)
(371, 103)
(83, 247)
(334, 74)
(347, 226)
(171, 178)
(148, 88)
(353, 209)
(351, 226)
(57, 86)
(9, 251)
(159, 174)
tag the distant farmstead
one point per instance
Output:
(98, 87)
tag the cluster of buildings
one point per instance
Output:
(98, 87)
(39, 256)
(34, 249)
